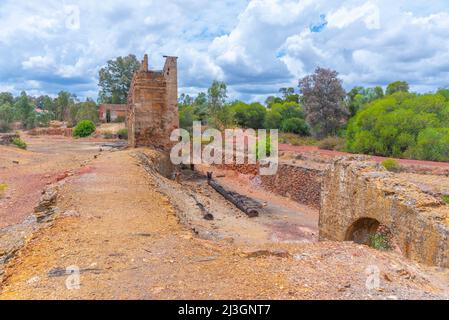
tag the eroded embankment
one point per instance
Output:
(15, 237)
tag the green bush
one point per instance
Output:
(380, 241)
(123, 134)
(19, 143)
(295, 125)
(332, 143)
(445, 198)
(108, 135)
(266, 144)
(84, 128)
(3, 187)
(432, 144)
(402, 125)
(391, 165)
(249, 115)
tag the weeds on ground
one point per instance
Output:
(391, 165)
(3, 187)
(122, 134)
(380, 241)
(19, 143)
(332, 143)
(445, 198)
(296, 140)
(108, 135)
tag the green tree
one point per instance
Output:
(323, 101)
(46, 103)
(216, 95)
(25, 111)
(200, 107)
(6, 116)
(63, 104)
(394, 126)
(6, 97)
(115, 79)
(360, 96)
(432, 144)
(220, 114)
(272, 100)
(295, 125)
(87, 110)
(249, 115)
(397, 86)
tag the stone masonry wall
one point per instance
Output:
(297, 182)
(354, 190)
(152, 112)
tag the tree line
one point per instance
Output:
(394, 122)
(38, 111)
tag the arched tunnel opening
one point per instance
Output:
(362, 230)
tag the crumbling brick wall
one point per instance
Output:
(298, 182)
(152, 112)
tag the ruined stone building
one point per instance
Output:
(152, 112)
(111, 112)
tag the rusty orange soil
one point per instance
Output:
(124, 236)
(26, 172)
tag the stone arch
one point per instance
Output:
(361, 230)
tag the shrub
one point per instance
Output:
(266, 144)
(432, 144)
(402, 125)
(3, 187)
(123, 134)
(84, 128)
(249, 115)
(19, 143)
(391, 165)
(108, 135)
(332, 143)
(380, 241)
(445, 198)
(295, 125)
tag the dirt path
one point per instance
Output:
(125, 238)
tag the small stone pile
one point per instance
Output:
(7, 138)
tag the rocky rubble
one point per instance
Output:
(7, 138)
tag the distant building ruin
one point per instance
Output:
(112, 112)
(152, 111)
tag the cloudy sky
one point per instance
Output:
(256, 46)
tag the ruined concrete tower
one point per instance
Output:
(152, 112)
